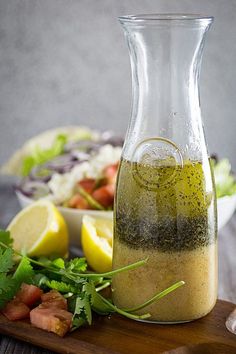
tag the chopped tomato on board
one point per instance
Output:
(105, 195)
(16, 310)
(51, 319)
(19, 307)
(53, 299)
(51, 315)
(29, 294)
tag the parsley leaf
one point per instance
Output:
(77, 265)
(87, 309)
(82, 307)
(40, 280)
(79, 305)
(98, 305)
(6, 260)
(5, 237)
(7, 284)
(24, 272)
(7, 289)
(60, 286)
(78, 322)
(58, 263)
(10, 284)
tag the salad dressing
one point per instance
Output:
(174, 226)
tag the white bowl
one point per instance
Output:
(225, 208)
(73, 217)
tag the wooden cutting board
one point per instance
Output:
(119, 335)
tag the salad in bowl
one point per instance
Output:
(73, 167)
(225, 183)
(77, 171)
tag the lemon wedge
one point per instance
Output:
(40, 230)
(96, 240)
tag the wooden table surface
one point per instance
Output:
(227, 263)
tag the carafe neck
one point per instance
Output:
(165, 54)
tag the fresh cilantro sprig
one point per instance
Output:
(11, 275)
(81, 288)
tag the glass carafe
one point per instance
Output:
(165, 206)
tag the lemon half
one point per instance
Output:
(40, 230)
(96, 240)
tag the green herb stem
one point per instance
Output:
(124, 312)
(157, 297)
(103, 286)
(113, 272)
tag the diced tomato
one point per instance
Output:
(53, 299)
(56, 304)
(29, 294)
(105, 195)
(88, 184)
(16, 310)
(52, 320)
(51, 295)
(78, 202)
(110, 173)
(52, 315)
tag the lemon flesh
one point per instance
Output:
(40, 230)
(96, 240)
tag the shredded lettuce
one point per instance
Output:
(40, 156)
(225, 181)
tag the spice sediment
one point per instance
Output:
(178, 215)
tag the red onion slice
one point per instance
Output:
(33, 189)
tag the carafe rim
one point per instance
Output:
(163, 17)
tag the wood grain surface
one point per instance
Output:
(119, 335)
(227, 291)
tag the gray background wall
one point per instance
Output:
(66, 62)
